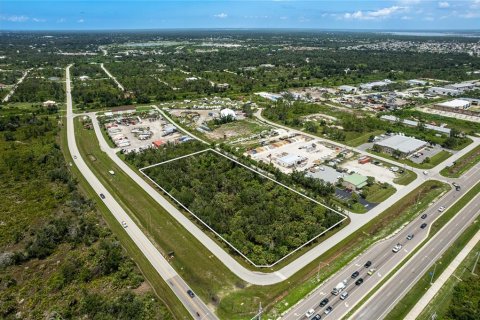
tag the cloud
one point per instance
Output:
(14, 18)
(80, 21)
(444, 5)
(222, 15)
(376, 14)
(61, 20)
(38, 20)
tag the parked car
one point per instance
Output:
(423, 226)
(328, 310)
(368, 264)
(317, 317)
(355, 274)
(324, 302)
(410, 236)
(397, 247)
(359, 281)
(424, 216)
(344, 295)
(309, 313)
(190, 293)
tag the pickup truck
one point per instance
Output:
(339, 287)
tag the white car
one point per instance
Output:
(344, 295)
(441, 209)
(124, 224)
(397, 247)
(309, 313)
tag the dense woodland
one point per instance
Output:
(58, 259)
(465, 303)
(262, 219)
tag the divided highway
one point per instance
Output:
(383, 260)
(195, 306)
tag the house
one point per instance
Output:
(402, 145)
(354, 181)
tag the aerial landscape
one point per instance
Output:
(240, 160)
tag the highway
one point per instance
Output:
(256, 277)
(385, 260)
(195, 306)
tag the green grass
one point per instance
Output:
(405, 178)
(434, 161)
(463, 164)
(376, 193)
(161, 289)
(439, 305)
(353, 140)
(404, 306)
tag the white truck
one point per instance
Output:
(339, 288)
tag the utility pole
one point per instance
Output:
(476, 261)
(260, 310)
(433, 273)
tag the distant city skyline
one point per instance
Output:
(340, 14)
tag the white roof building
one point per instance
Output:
(348, 89)
(227, 112)
(371, 85)
(406, 145)
(417, 82)
(290, 160)
(455, 104)
(444, 91)
(463, 86)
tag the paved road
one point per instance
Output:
(385, 260)
(443, 278)
(255, 277)
(195, 306)
(112, 77)
(7, 97)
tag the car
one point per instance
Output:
(355, 274)
(317, 317)
(397, 247)
(309, 313)
(441, 209)
(344, 295)
(423, 226)
(102, 196)
(371, 271)
(74, 157)
(190, 293)
(457, 187)
(424, 216)
(410, 236)
(368, 264)
(359, 281)
(425, 172)
(328, 310)
(124, 224)
(324, 302)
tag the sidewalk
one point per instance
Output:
(437, 285)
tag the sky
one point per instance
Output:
(313, 14)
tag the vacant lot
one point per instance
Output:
(463, 164)
(262, 219)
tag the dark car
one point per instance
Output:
(424, 216)
(324, 302)
(355, 274)
(328, 310)
(359, 281)
(102, 196)
(317, 317)
(368, 264)
(423, 226)
(190, 293)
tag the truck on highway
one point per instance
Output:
(339, 288)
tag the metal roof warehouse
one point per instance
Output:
(405, 145)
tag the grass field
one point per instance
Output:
(377, 193)
(353, 140)
(405, 178)
(463, 164)
(419, 289)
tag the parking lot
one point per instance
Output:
(428, 152)
(380, 172)
(131, 132)
(294, 153)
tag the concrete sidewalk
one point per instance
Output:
(437, 285)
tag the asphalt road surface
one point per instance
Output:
(194, 305)
(385, 260)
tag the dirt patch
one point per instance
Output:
(123, 108)
(143, 288)
(91, 157)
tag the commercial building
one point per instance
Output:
(413, 123)
(415, 82)
(455, 104)
(290, 160)
(405, 146)
(463, 86)
(348, 89)
(444, 91)
(354, 181)
(371, 85)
